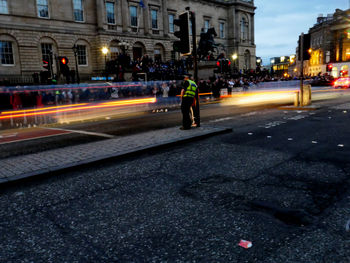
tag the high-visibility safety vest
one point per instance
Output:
(191, 89)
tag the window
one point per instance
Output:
(222, 30)
(244, 29)
(206, 25)
(133, 16)
(46, 51)
(110, 13)
(3, 7)
(171, 23)
(190, 27)
(6, 53)
(78, 10)
(154, 16)
(81, 54)
(43, 8)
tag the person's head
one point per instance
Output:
(186, 77)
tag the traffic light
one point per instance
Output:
(183, 45)
(64, 69)
(226, 65)
(329, 67)
(223, 66)
(305, 46)
(46, 65)
(218, 67)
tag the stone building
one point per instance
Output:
(31, 30)
(340, 31)
(330, 45)
(321, 43)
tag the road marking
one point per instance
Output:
(9, 135)
(222, 119)
(34, 138)
(298, 117)
(272, 124)
(86, 132)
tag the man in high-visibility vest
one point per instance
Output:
(188, 94)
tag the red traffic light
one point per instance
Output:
(218, 63)
(63, 61)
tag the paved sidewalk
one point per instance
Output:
(20, 167)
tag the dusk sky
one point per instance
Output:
(278, 23)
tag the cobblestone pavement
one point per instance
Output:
(24, 166)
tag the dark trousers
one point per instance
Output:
(185, 109)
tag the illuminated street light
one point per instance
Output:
(234, 58)
(282, 59)
(310, 50)
(105, 52)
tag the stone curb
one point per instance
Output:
(42, 173)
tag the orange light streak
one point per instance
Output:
(98, 106)
(42, 109)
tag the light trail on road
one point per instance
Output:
(74, 108)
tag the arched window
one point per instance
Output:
(115, 49)
(158, 52)
(244, 29)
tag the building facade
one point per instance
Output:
(33, 31)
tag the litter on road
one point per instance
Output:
(245, 243)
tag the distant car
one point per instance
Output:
(342, 83)
(321, 82)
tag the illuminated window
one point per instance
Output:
(3, 7)
(43, 8)
(78, 10)
(6, 53)
(347, 54)
(110, 13)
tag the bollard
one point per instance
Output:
(296, 99)
(307, 95)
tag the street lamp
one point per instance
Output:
(105, 52)
(234, 58)
(75, 50)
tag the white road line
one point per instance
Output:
(85, 132)
(222, 119)
(34, 138)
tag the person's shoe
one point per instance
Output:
(183, 128)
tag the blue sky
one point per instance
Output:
(278, 23)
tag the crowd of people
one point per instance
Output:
(150, 78)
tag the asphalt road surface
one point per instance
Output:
(280, 181)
